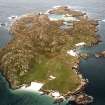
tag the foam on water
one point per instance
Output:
(103, 20)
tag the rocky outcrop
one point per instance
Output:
(83, 99)
(65, 10)
(100, 54)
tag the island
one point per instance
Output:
(44, 50)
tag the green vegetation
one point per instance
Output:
(60, 67)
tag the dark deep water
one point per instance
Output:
(93, 68)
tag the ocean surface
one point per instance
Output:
(92, 68)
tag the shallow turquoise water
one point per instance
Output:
(54, 16)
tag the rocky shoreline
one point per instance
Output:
(78, 95)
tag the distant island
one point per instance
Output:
(44, 49)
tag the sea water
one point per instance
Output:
(92, 68)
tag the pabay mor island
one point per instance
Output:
(43, 54)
